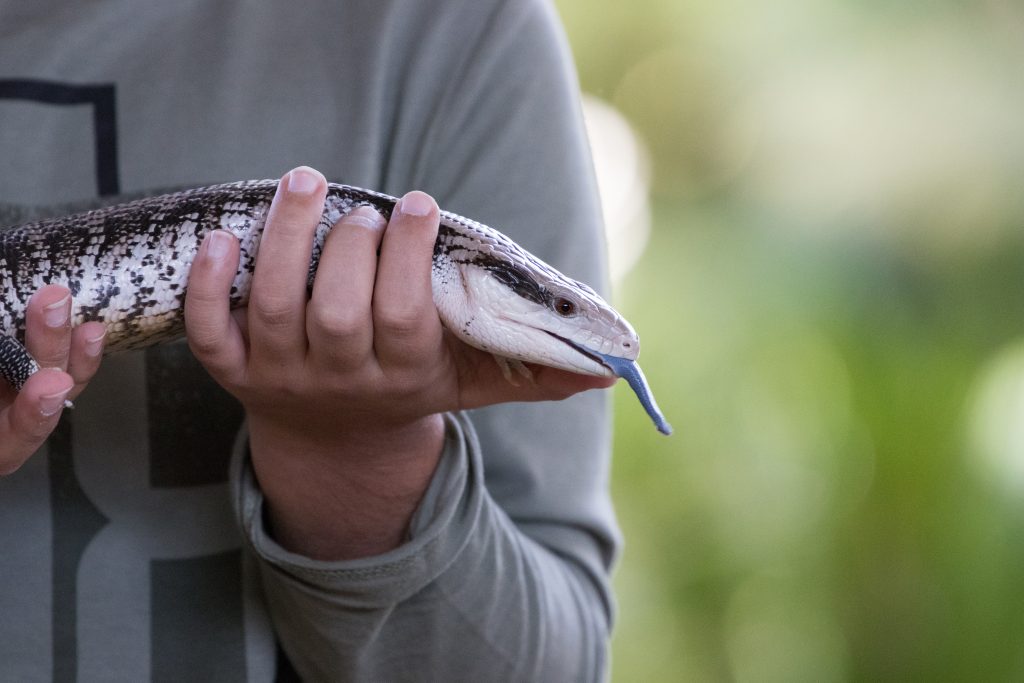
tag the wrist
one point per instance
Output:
(348, 494)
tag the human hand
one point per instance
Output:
(344, 387)
(68, 359)
(365, 354)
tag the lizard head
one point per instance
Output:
(498, 297)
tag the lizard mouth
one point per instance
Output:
(630, 371)
(584, 351)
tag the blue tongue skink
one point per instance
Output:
(128, 265)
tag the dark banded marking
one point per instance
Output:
(517, 279)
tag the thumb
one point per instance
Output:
(483, 382)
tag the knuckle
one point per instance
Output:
(222, 369)
(53, 335)
(294, 217)
(271, 312)
(52, 355)
(336, 321)
(52, 360)
(199, 286)
(399, 322)
(204, 336)
(200, 301)
(202, 343)
(200, 294)
(291, 223)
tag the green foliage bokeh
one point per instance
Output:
(831, 313)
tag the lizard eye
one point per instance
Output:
(564, 307)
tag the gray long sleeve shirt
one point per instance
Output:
(133, 544)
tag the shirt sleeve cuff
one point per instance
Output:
(438, 531)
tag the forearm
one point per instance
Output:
(348, 497)
(467, 597)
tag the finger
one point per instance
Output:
(86, 352)
(25, 423)
(212, 333)
(277, 305)
(339, 316)
(483, 382)
(404, 315)
(48, 326)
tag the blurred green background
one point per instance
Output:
(830, 303)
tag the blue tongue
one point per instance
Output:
(630, 371)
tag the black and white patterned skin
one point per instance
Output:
(127, 265)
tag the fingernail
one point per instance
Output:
(58, 314)
(415, 204)
(217, 244)
(94, 346)
(302, 181)
(51, 404)
(367, 217)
